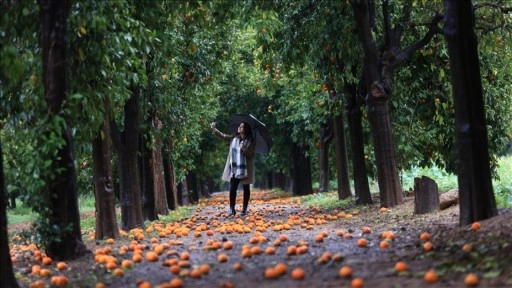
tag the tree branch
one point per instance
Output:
(403, 55)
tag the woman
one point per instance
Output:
(239, 164)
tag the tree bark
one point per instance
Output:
(341, 158)
(126, 144)
(326, 135)
(193, 188)
(106, 220)
(302, 184)
(476, 194)
(170, 184)
(426, 195)
(355, 128)
(62, 189)
(378, 79)
(161, 207)
(6, 273)
(148, 184)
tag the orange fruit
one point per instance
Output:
(427, 246)
(384, 244)
(159, 249)
(185, 255)
(222, 258)
(401, 266)
(195, 273)
(205, 268)
(357, 283)
(425, 236)
(37, 284)
(281, 268)
(110, 241)
(151, 256)
(110, 265)
(337, 257)
(59, 280)
(467, 247)
(319, 238)
(45, 272)
(47, 260)
(471, 280)
(137, 258)
(118, 272)
(126, 264)
(36, 269)
(361, 242)
(255, 250)
(237, 266)
(291, 250)
(298, 274)
(283, 238)
(345, 272)
(366, 230)
(271, 273)
(246, 253)
(175, 269)
(431, 276)
(227, 245)
(144, 284)
(176, 283)
(62, 266)
(475, 226)
(270, 250)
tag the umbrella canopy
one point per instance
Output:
(259, 131)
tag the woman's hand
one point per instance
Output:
(213, 125)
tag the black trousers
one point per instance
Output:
(232, 192)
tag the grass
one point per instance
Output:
(327, 201)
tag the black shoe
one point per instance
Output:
(244, 211)
(232, 211)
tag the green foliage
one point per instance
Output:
(503, 185)
(445, 181)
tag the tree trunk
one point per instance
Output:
(62, 189)
(426, 195)
(106, 220)
(193, 189)
(158, 180)
(302, 184)
(355, 128)
(6, 273)
(341, 158)
(126, 144)
(473, 172)
(179, 193)
(148, 184)
(170, 184)
(326, 135)
(378, 78)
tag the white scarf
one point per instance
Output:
(238, 161)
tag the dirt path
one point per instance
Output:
(265, 238)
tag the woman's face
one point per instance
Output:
(241, 129)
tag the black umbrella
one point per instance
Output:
(259, 131)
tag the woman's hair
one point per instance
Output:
(248, 129)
